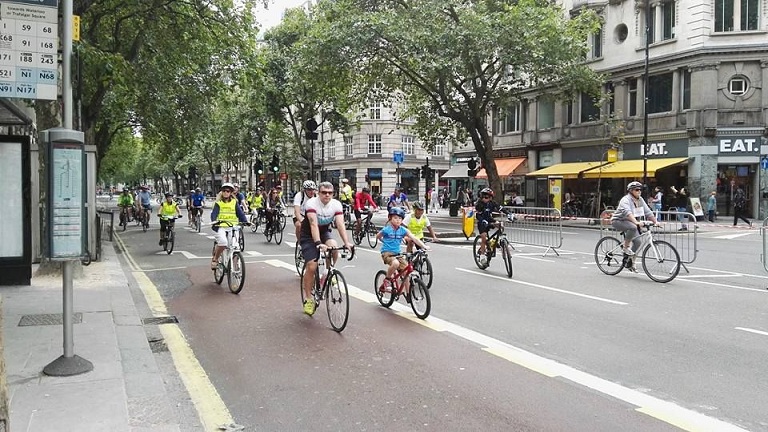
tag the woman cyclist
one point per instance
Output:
(226, 209)
(273, 205)
(625, 219)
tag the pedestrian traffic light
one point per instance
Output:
(258, 167)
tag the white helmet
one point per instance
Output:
(227, 185)
(344, 180)
(309, 184)
(634, 185)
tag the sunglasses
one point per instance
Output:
(326, 192)
(636, 189)
(485, 196)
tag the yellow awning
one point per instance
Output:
(504, 167)
(632, 168)
(569, 170)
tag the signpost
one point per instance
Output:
(28, 49)
(398, 158)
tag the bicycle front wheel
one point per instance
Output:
(421, 303)
(661, 262)
(144, 223)
(278, 235)
(241, 241)
(337, 300)
(506, 255)
(424, 268)
(298, 257)
(198, 223)
(268, 232)
(383, 289)
(254, 223)
(609, 256)
(236, 273)
(283, 221)
(220, 271)
(357, 236)
(371, 233)
(481, 261)
(170, 241)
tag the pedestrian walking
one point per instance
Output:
(656, 201)
(740, 206)
(712, 205)
(681, 203)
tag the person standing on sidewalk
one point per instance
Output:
(739, 206)
(712, 205)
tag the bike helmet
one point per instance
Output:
(397, 211)
(344, 180)
(198, 190)
(418, 205)
(168, 194)
(487, 191)
(309, 184)
(366, 190)
(228, 185)
(634, 185)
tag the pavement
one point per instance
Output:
(125, 391)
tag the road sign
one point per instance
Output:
(397, 157)
(29, 43)
(764, 163)
(283, 176)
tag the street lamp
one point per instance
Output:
(645, 96)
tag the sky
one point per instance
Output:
(271, 17)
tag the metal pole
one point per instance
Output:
(646, 190)
(312, 159)
(398, 174)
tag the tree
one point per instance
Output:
(453, 61)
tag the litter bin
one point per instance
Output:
(453, 210)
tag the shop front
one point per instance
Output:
(512, 172)
(738, 165)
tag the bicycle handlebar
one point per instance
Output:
(170, 218)
(344, 251)
(230, 224)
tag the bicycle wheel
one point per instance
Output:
(347, 220)
(221, 269)
(337, 300)
(236, 273)
(421, 303)
(165, 240)
(357, 236)
(662, 262)
(481, 261)
(283, 220)
(198, 223)
(608, 255)
(506, 255)
(371, 233)
(254, 223)
(383, 289)
(144, 222)
(241, 241)
(268, 232)
(170, 241)
(278, 235)
(123, 221)
(424, 268)
(298, 257)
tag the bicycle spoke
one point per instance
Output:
(661, 261)
(337, 300)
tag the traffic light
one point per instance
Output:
(275, 165)
(258, 167)
(472, 167)
(418, 172)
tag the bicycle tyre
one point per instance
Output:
(123, 221)
(236, 273)
(169, 242)
(371, 233)
(221, 270)
(144, 223)
(607, 261)
(424, 268)
(337, 300)
(198, 223)
(165, 240)
(241, 241)
(667, 273)
(357, 236)
(278, 235)
(476, 256)
(383, 289)
(254, 223)
(283, 220)
(421, 303)
(268, 233)
(298, 258)
(506, 255)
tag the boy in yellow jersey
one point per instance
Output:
(416, 222)
(168, 210)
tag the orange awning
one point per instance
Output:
(505, 167)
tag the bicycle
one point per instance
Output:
(124, 217)
(298, 258)
(388, 290)
(274, 229)
(367, 229)
(257, 219)
(169, 237)
(423, 266)
(661, 261)
(348, 223)
(230, 262)
(332, 287)
(497, 240)
(145, 215)
(197, 223)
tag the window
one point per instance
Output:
(632, 96)
(507, 119)
(439, 150)
(546, 114)
(660, 93)
(737, 86)
(609, 94)
(726, 18)
(374, 144)
(569, 113)
(667, 21)
(330, 151)
(375, 111)
(408, 141)
(686, 90)
(597, 43)
(319, 150)
(348, 146)
(589, 110)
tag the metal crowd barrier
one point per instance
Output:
(105, 220)
(680, 229)
(764, 235)
(535, 226)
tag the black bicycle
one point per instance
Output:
(274, 229)
(169, 237)
(368, 229)
(497, 240)
(331, 287)
(423, 266)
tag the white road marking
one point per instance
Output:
(253, 253)
(616, 302)
(724, 285)
(760, 332)
(732, 236)
(708, 276)
(533, 258)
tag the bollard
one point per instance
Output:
(4, 421)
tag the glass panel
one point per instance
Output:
(723, 15)
(11, 218)
(668, 18)
(546, 114)
(749, 14)
(660, 93)
(589, 111)
(686, 89)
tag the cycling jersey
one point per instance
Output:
(362, 200)
(416, 225)
(198, 200)
(145, 197)
(325, 215)
(345, 194)
(392, 238)
(168, 209)
(300, 200)
(125, 200)
(397, 200)
(484, 211)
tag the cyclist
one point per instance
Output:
(279, 188)
(485, 208)
(625, 219)
(299, 204)
(145, 202)
(225, 209)
(256, 201)
(362, 200)
(240, 197)
(391, 237)
(198, 202)
(272, 207)
(125, 202)
(416, 222)
(398, 199)
(168, 209)
(316, 236)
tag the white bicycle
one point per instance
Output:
(230, 263)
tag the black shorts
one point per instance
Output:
(308, 248)
(484, 226)
(164, 223)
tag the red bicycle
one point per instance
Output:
(388, 290)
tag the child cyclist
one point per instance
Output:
(417, 222)
(391, 237)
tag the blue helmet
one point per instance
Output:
(397, 211)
